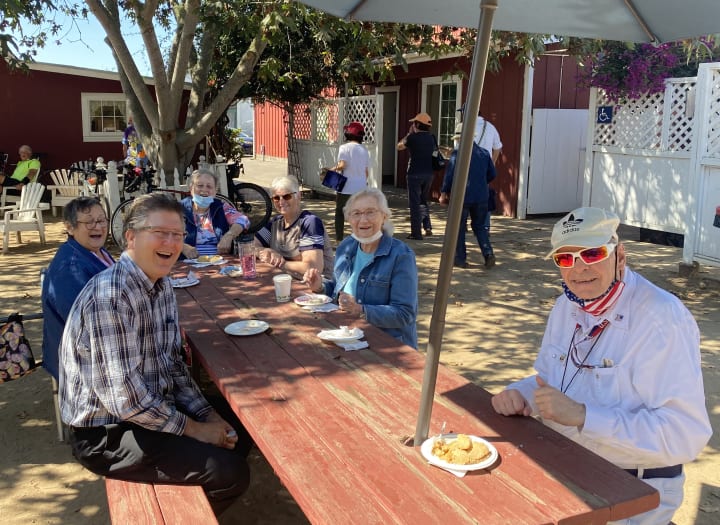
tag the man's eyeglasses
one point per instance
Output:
(97, 223)
(173, 235)
(356, 215)
(587, 255)
(285, 197)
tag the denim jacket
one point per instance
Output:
(387, 287)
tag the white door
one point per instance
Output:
(557, 160)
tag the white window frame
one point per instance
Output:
(452, 79)
(97, 136)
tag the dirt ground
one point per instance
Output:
(495, 321)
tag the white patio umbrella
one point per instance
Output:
(625, 20)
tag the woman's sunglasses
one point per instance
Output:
(587, 255)
(285, 197)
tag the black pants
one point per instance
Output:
(128, 452)
(340, 202)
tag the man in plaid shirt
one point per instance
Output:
(134, 411)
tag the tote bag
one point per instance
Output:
(16, 357)
(333, 180)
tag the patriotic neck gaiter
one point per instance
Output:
(600, 304)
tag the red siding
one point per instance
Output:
(555, 84)
(270, 131)
(43, 110)
(554, 87)
(501, 104)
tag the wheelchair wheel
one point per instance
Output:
(117, 221)
(254, 202)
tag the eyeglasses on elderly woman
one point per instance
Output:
(586, 255)
(370, 214)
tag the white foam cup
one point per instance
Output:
(283, 285)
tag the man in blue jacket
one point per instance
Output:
(475, 205)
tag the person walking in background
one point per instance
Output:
(27, 170)
(475, 204)
(487, 137)
(354, 163)
(619, 366)
(421, 144)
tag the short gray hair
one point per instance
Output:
(382, 203)
(144, 205)
(79, 205)
(289, 184)
(198, 173)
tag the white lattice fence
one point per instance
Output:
(325, 121)
(302, 124)
(362, 110)
(678, 114)
(320, 120)
(661, 121)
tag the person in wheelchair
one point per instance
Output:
(210, 223)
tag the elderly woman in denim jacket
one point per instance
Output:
(375, 275)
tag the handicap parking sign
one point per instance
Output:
(604, 114)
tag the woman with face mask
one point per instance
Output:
(375, 276)
(210, 223)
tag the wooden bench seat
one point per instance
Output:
(150, 504)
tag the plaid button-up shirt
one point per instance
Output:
(120, 359)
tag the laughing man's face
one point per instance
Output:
(157, 245)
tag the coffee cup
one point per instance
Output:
(283, 285)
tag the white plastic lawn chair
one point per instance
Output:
(66, 187)
(24, 216)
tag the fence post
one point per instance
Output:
(112, 193)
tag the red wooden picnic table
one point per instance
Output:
(335, 425)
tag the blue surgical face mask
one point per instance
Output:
(202, 202)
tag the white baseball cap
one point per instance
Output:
(584, 227)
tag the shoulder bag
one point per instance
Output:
(438, 161)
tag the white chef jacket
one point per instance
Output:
(645, 408)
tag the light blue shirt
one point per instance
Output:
(386, 287)
(362, 259)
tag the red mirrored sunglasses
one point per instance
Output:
(586, 255)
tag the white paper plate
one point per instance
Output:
(199, 264)
(249, 327)
(312, 299)
(426, 450)
(340, 336)
(184, 282)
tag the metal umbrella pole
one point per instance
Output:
(457, 196)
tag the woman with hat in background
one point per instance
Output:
(421, 144)
(354, 163)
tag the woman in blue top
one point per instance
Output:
(375, 275)
(211, 225)
(76, 261)
(421, 144)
